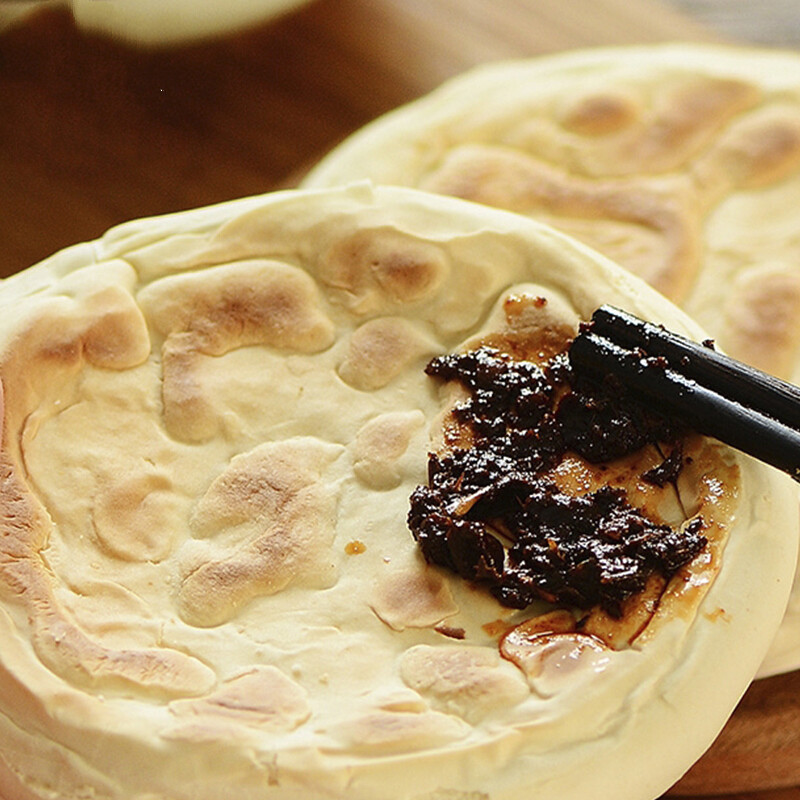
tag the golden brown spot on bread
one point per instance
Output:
(380, 350)
(386, 732)
(263, 483)
(236, 305)
(623, 130)
(663, 209)
(188, 412)
(264, 698)
(762, 319)
(24, 525)
(279, 512)
(684, 120)
(104, 328)
(466, 680)
(386, 437)
(759, 149)
(97, 322)
(116, 336)
(373, 267)
(380, 447)
(600, 114)
(355, 548)
(218, 310)
(417, 598)
(136, 516)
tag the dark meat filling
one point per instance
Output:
(489, 515)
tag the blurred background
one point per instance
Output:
(114, 119)
(98, 127)
(770, 22)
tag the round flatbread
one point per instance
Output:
(680, 162)
(213, 423)
(152, 22)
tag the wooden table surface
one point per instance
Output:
(94, 132)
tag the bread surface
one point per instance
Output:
(212, 423)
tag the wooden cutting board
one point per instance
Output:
(94, 132)
(759, 748)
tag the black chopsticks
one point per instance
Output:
(712, 393)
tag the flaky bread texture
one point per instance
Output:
(212, 422)
(680, 162)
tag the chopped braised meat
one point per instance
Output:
(490, 513)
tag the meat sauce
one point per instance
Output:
(491, 513)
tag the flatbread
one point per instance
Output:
(212, 425)
(151, 22)
(680, 162)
